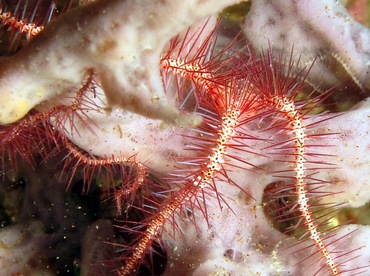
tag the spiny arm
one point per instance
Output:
(120, 40)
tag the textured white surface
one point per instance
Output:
(120, 40)
(129, 70)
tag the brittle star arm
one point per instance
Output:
(120, 40)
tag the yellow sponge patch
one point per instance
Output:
(10, 113)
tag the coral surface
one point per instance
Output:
(223, 147)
